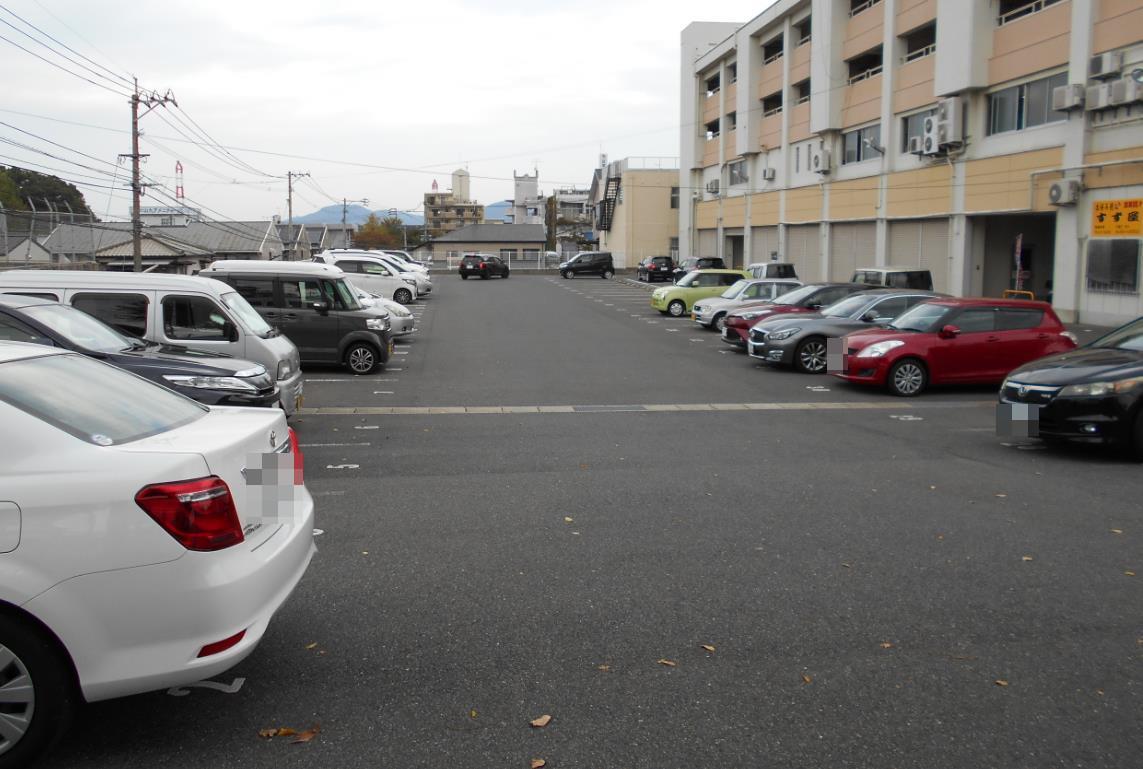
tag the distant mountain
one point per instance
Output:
(354, 214)
(496, 212)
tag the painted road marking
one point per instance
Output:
(342, 467)
(382, 392)
(328, 445)
(646, 407)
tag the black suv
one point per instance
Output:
(589, 263)
(697, 263)
(655, 268)
(483, 266)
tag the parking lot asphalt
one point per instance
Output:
(559, 502)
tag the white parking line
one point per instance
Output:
(329, 445)
(382, 392)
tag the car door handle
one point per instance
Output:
(1042, 336)
(992, 339)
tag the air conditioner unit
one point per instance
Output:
(1126, 91)
(712, 187)
(1064, 193)
(820, 160)
(1106, 65)
(1097, 97)
(930, 136)
(1067, 97)
(950, 123)
(769, 174)
(916, 145)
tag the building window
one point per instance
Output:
(772, 50)
(731, 121)
(802, 31)
(674, 197)
(914, 125)
(1024, 106)
(1010, 10)
(857, 6)
(864, 66)
(732, 72)
(712, 85)
(802, 92)
(1113, 265)
(772, 104)
(920, 43)
(711, 129)
(737, 173)
(167, 221)
(859, 144)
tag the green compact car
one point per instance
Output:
(678, 299)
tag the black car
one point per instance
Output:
(589, 263)
(803, 341)
(482, 266)
(697, 263)
(655, 268)
(210, 379)
(1092, 394)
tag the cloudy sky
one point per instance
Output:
(374, 99)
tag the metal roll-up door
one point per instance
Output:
(803, 249)
(763, 242)
(922, 243)
(707, 243)
(851, 245)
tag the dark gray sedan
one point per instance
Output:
(802, 341)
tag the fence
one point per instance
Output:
(528, 261)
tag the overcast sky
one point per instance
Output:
(374, 99)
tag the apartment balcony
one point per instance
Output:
(914, 13)
(710, 153)
(770, 79)
(800, 122)
(915, 83)
(800, 63)
(1026, 44)
(1117, 25)
(710, 108)
(728, 144)
(864, 31)
(862, 101)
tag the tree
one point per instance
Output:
(17, 185)
(380, 233)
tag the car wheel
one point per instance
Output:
(907, 378)
(608, 274)
(37, 695)
(362, 358)
(565, 275)
(463, 276)
(404, 295)
(1136, 448)
(810, 356)
(719, 322)
(677, 308)
(505, 275)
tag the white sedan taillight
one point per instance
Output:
(199, 514)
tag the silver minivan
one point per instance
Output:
(196, 313)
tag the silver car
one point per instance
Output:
(711, 313)
(401, 321)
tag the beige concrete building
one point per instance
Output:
(997, 142)
(636, 209)
(448, 211)
(518, 244)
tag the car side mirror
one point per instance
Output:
(814, 306)
(321, 307)
(948, 332)
(870, 317)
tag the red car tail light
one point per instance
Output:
(483, 265)
(221, 646)
(199, 514)
(299, 460)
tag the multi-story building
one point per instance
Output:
(448, 211)
(569, 217)
(997, 142)
(528, 203)
(635, 202)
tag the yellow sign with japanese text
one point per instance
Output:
(1116, 218)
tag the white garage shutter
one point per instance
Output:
(922, 243)
(803, 248)
(763, 241)
(707, 243)
(851, 245)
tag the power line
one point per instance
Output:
(61, 67)
(65, 57)
(125, 80)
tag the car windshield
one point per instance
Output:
(79, 328)
(1129, 337)
(845, 308)
(345, 294)
(734, 290)
(797, 295)
(248, 315)
(116, 407)
(923, 317)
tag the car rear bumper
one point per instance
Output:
(135, 630)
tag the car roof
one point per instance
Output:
(774, 280)
(10, 351)
(720, 271)
(874, 292)
(259, 265)
(63, 279)
(892, 269)
(978, 301)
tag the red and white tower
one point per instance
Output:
(178, 180)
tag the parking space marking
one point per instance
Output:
(382, 392)
(693, 339)
(649, 407)
(329, 445)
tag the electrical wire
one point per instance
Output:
(65, 57)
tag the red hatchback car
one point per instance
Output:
(953, 341)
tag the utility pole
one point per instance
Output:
(344, 211)
(290, 194)
(151, 101)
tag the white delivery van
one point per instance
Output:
(192, 312)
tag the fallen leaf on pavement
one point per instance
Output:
(306, 736)
(886, 645)
(604, 668)
(707, 647)
(582, 466)
(568, 520)
(1129, 573)
(1026, 558)
(472, 713)
(807, 679)
(1002, 496)
(281, 731)
(311, 646)
(538, 763)
(1117, 531)
(267, 733)
(1000, 682)
(668, 663)
(541, 722)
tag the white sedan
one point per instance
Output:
(146, 540)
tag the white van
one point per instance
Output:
(374, 275)
(196, 313)
(418, 273)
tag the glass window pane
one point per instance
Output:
(299, 294)
(972, 321)
(1035, 103)
(194, 317)
(852, 143)
(258, 292)
(126, 312)
(1002, 108)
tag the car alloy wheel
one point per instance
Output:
(811, 356)
(907, 378)
(19, 698)
(361, 358)
(677, 308)
(719, 322)
(404, 295)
